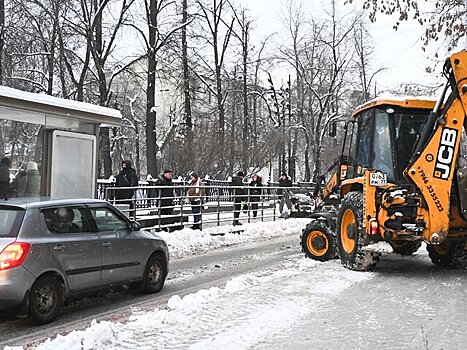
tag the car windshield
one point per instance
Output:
(10, 221)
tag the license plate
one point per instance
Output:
(378, 179)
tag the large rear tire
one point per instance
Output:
(351, 235)
(318, 241)
(405, 248)
(448, 254)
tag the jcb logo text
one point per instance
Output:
(445, 153)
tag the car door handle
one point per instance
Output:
(106, 244)
(59, 247)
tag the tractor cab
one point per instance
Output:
(382, 135)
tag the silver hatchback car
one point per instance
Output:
(54, 250)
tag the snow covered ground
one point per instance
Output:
(246, 312)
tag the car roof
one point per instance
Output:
(46, 202)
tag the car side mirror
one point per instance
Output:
(135, 226)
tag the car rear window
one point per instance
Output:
(10, 221)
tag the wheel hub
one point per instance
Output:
(351, 231)
(45, 298)
(155, 274)
(319, 243)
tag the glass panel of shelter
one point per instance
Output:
(23, 144)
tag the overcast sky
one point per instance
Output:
(399, 52)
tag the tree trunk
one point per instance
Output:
(2, 37)
(98, 60)
(246, 121)
(151, 136)
(188, 153)
(221, 112)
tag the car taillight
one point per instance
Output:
(13, 255)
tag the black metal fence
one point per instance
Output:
(152, 209)
(215, 189)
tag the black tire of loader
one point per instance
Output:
(460, 255)
(321, 226)
(405, 248)
(448, 254)
(357, 259)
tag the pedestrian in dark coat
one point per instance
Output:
(165, 195)
(126, 178)
(5, 188)
(284, 195)
(256, 191)
(238, 194)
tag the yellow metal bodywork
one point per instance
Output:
(333, 184)
(434, 169)
(432, 172)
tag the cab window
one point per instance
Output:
(365, 132)
(462, 163)
(383, 160)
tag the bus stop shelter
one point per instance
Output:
(67, 143)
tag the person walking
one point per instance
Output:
(195, 195)
(5, 188)
(29, 183)
(255, 193)
(238, 194)
(165, 196)
(126, 178)
(285, 182)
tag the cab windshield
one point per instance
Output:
(408, 125)
(386, 139)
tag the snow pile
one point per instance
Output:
(187, 241)
(380, 247)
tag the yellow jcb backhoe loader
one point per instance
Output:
(402, 178)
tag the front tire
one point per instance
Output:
(318, 241)
(46, 300)
(155, 273)
(351, 235)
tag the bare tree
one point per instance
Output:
(155, 39)
(243, 36)
(220, 32)
(363, 55)
(188, 141)
(320, 54)
(441, 20)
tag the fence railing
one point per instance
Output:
(154, 208)
(214, 188)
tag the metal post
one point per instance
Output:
(218, 207)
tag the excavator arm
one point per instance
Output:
(433, 165)
(327, 193)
